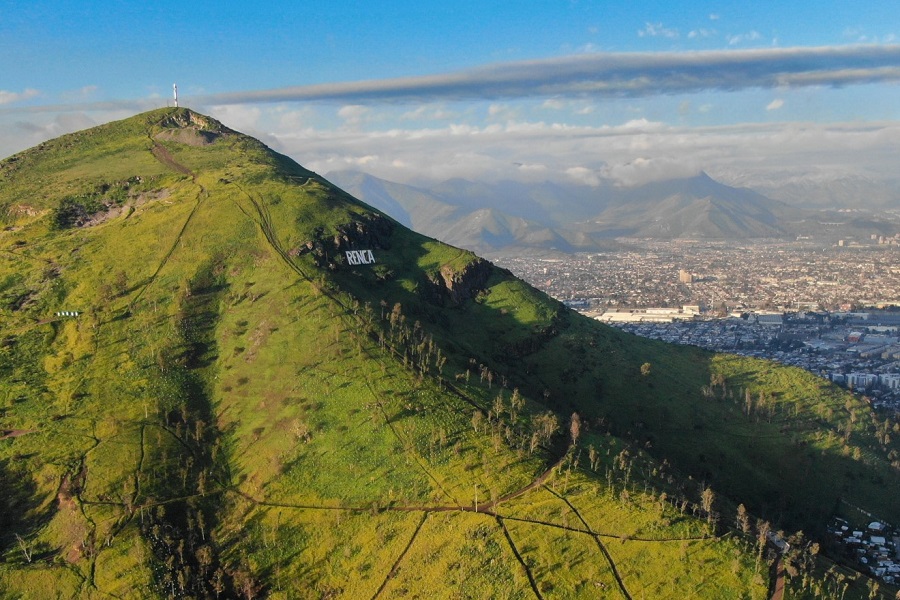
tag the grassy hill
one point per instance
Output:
(238, 410)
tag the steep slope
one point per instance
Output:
(242, 408)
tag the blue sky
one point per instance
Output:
(541, 89)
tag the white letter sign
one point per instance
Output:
(360, 257)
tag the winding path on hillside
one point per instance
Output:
(600, 545)
(777, 579)
(165, 157)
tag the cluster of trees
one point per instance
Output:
(510, 421)
(415, 346)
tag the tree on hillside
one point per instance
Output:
(743, 519)
(575, 427)
(707, 498)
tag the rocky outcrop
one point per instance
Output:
(189, 136)
(184, 118)
(369, 231)
(459, 285)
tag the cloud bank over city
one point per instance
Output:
(629, 154)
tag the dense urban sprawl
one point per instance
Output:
(830, 309)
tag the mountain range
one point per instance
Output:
(488, 217)
(223, 376)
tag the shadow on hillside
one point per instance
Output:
(766, 459)
(573, 364)
(18, 506)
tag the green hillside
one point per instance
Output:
(239, 410)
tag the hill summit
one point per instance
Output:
(224, 376)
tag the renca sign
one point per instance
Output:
(360, 257)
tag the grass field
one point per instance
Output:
(236, 411)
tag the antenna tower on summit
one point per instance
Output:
(175, 92)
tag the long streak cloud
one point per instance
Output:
(611, 75)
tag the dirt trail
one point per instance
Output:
(397, 562)
(14, 433)
(518, 555)
(777, 578)
(600, 545)
(162, 155)
(166, 158)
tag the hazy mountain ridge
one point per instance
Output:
(573, 216)
(824, 190)
(239, 408)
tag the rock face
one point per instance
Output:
(369, 231)
(188, 127)
(461, 285)
(190, 136)
(181, 119)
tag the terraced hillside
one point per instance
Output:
(242, 409)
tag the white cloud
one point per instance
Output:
(497, 109)
(303, 117)
(353, 114)
(584, 175)
(657, 30)
(243, 117)
(642, 124)
(19, 135)
(429, 112)
(643, 170)
(750, 36)
(502, 112)
(701, 33)
(629, 153)
(713, 17)
(775, 104)
(11, 97)
(79, 95)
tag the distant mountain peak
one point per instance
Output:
(694, 207)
